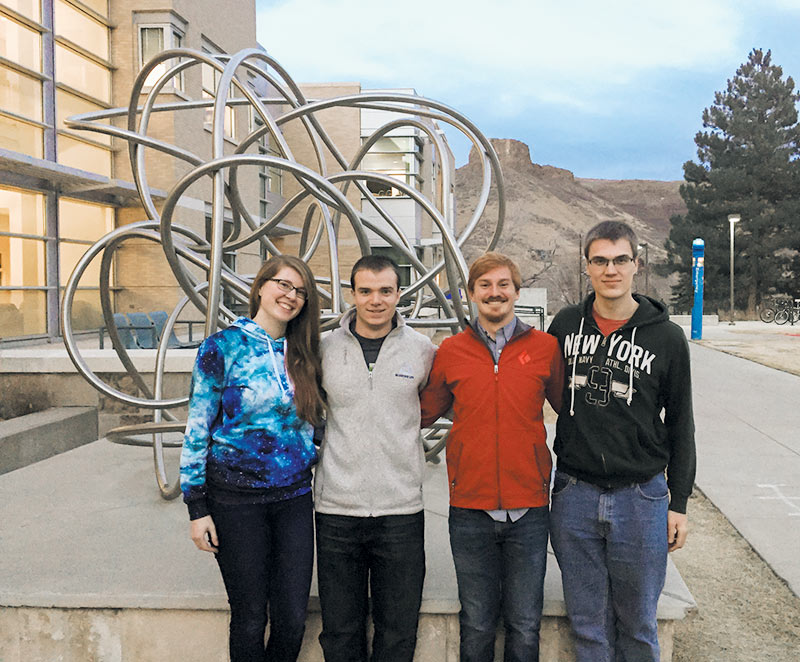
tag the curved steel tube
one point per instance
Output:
(322, 194)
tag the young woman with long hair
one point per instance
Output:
(247, 458)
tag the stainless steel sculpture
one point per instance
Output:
(322, 193)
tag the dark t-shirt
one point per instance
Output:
(371, 347)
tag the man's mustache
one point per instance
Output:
(496, 299)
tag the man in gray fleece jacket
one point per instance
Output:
(368, 483)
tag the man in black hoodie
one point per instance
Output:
(625, 422)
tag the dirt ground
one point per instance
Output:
(744, 611)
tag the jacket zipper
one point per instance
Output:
(497, 427)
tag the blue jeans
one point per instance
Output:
(611, 546)
(266, 556)
(382, 556)
(500, 569)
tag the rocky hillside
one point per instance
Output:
(548, 210)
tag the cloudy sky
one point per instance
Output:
(610, 89)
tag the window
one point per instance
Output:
(402, 261)
(22, 263)
(20, 44)
(228, 257)
(211, 79)
(270, 180)
(82, 74)
(100, 6)
(21, 137)
(399, 158)
(80, 225)
(83, 155)
(68, 104)
(82, 30)
(30, 8)
(20, 96)
(152, 40)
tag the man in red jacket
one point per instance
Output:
(495, 375)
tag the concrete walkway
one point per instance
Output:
(748, 437)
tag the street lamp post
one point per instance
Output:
(732, 219)
(646, 247)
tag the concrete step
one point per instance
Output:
(34, 437)
(96, 566)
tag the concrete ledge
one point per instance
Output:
(56, 360)
(34, 437)
(686, 320)
(98, 566)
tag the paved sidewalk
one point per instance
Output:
(748, 436)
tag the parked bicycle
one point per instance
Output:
(775, 308)
(789, 314)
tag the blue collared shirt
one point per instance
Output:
(496, 345)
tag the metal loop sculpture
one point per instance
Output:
(323, 192)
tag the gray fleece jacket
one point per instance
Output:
(371, 459)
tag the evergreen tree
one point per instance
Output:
(748, 165)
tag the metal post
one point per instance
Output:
(732, 219)
(580, 268)
(646, 247)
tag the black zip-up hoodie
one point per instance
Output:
(611, 431)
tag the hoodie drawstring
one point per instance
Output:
(285, 368)
(630, 365)
(575, 353)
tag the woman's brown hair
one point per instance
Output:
(302, 337)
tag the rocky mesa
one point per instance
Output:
(549, 210)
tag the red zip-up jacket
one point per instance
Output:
(496, 452)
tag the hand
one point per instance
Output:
(204, 534)
(677, 529)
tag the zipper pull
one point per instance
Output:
(496, 368)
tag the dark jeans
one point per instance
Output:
(500, 569)
(611, 545)
(266, 556)
(386, 554)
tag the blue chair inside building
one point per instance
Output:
(144, 330)
(159, 318)
(124, 330)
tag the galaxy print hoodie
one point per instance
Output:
(244, 441)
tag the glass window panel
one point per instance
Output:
(82, 74)
(30, 8)
(393, 145)
(21, 212)
(80, 29)
(83, 220)
(392, 162)
(20, 44)
(68, 104)
(68, 256)
(21, 137)
(22, 262)
(153, 40)
(276, 181)
(78, 154)
(22, 313)
(100, 6)
(87, 314)
(20, 94)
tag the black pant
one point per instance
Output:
(388, 555)
(266, 556)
